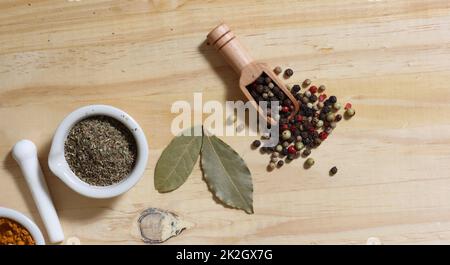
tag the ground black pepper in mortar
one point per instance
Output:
(100, 150)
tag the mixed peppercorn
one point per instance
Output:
(265, 90)
(316, 119)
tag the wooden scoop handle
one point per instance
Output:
(227, 44)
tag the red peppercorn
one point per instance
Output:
(313, 89)
(285, 109)
(322, 97)
(292, 150)
(284, 127)
(293, 128)
(312, 129)
(299, 118)
(323, 136)
(348, 106)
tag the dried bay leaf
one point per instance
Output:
(226, 174)
(177, 161)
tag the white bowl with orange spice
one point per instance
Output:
(18, 229)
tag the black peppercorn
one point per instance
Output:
(280, 163)
(306, 152)
(326, 109)
(332, 99)
(338, 117)
(256, 143)
(295, 89)
(313, 98)
(288, 72)
(333, 171)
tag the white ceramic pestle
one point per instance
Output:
(25, 153)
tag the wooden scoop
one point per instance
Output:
(224, 40)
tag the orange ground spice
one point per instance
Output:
(13, 233)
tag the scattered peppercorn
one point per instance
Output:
(306, 83)
(350, 112)
(348, 106)
(322, 88)
(256, 143)
(332, 99)
(286, 135)
(295, 89)
(271, 166)
(310, 126)
(280, 163)
(277, 70)
(292, 150)
(309, 162)
(337, 106)
(330, 117)
(306, 152)
(288, 72)
(333, 171)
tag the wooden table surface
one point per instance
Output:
(391, 59)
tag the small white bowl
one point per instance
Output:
(59, 166)
(26, 222)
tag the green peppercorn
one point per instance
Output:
(309, 162)
(285, 144)
(271, 165)
(274, 159)
(333, 124)
(350, 112)
(337, 106)
(319, 124)
(330, 117)
(279, 148)
(299, 146)
(286, 134)
(277, 70)
(275, 154)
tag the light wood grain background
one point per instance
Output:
(391, 59)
